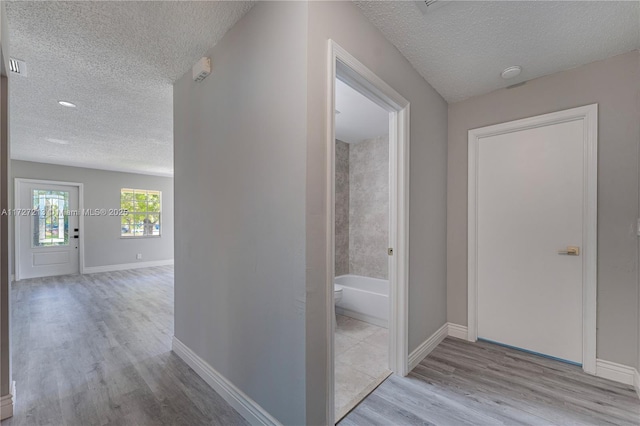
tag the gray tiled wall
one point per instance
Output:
(369, 207)
(342, 209)
(362, 208)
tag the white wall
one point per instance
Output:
(240, 161)
(344, 23)
(102, 243)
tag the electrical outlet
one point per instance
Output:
(139, 256)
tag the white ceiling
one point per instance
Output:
(359, 118)
(461, 47)
(117, 61)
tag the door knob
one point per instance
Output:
(570, 251)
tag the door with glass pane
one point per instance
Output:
(47, 220)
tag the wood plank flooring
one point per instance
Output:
(96, 350)
(462, 383)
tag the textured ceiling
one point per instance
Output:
(461, 47)
(117, 61)
(359, 118)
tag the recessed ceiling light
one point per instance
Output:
(511, 72)
(58, 141)
(67, 104)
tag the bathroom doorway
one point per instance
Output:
(368, 198)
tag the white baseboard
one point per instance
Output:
(616, 372)
(126, 266)
(7, 402)
(457, 331)
(636, 382)
(247, 407)
(427, 346)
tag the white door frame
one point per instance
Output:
(589, 116)
(18, 182)
(344, 66)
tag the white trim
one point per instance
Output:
(343, 65)
(427, 346)
(127, 266)
(636, 382)
(458, 331)
(247, 407)
(16, 223)
(589, 115)
(616, 372)
(330, 308)
(7, 403)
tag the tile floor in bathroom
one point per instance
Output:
(361, 362)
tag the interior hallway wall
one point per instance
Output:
(345, 23)
(369, 208)
(6, 257)
(240, 164)
(342, 209)
(615, 85)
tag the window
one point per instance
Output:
(51, 225)
(143, 208)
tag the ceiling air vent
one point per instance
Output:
(16, 66)
(428, 6)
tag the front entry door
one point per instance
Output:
(530, 196)
(48, 228)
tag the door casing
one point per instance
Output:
(342, 65)
(589, 116)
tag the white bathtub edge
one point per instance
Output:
(362, 317)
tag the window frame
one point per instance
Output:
(147, 212)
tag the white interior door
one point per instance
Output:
(530, 195)
(47, 232)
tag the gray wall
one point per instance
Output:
(250, 162)
(342, 209)
(362, 208)
(614, 85)
(369, 208)
(102, 243)
(5, 203)
(240, 161)
(344, 23)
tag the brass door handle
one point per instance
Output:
(570, 251)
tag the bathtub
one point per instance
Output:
(365, 299)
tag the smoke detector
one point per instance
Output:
(511, 72)
(18, 67)
(428, 6)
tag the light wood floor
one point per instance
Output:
(462, 383)
(96, 350)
